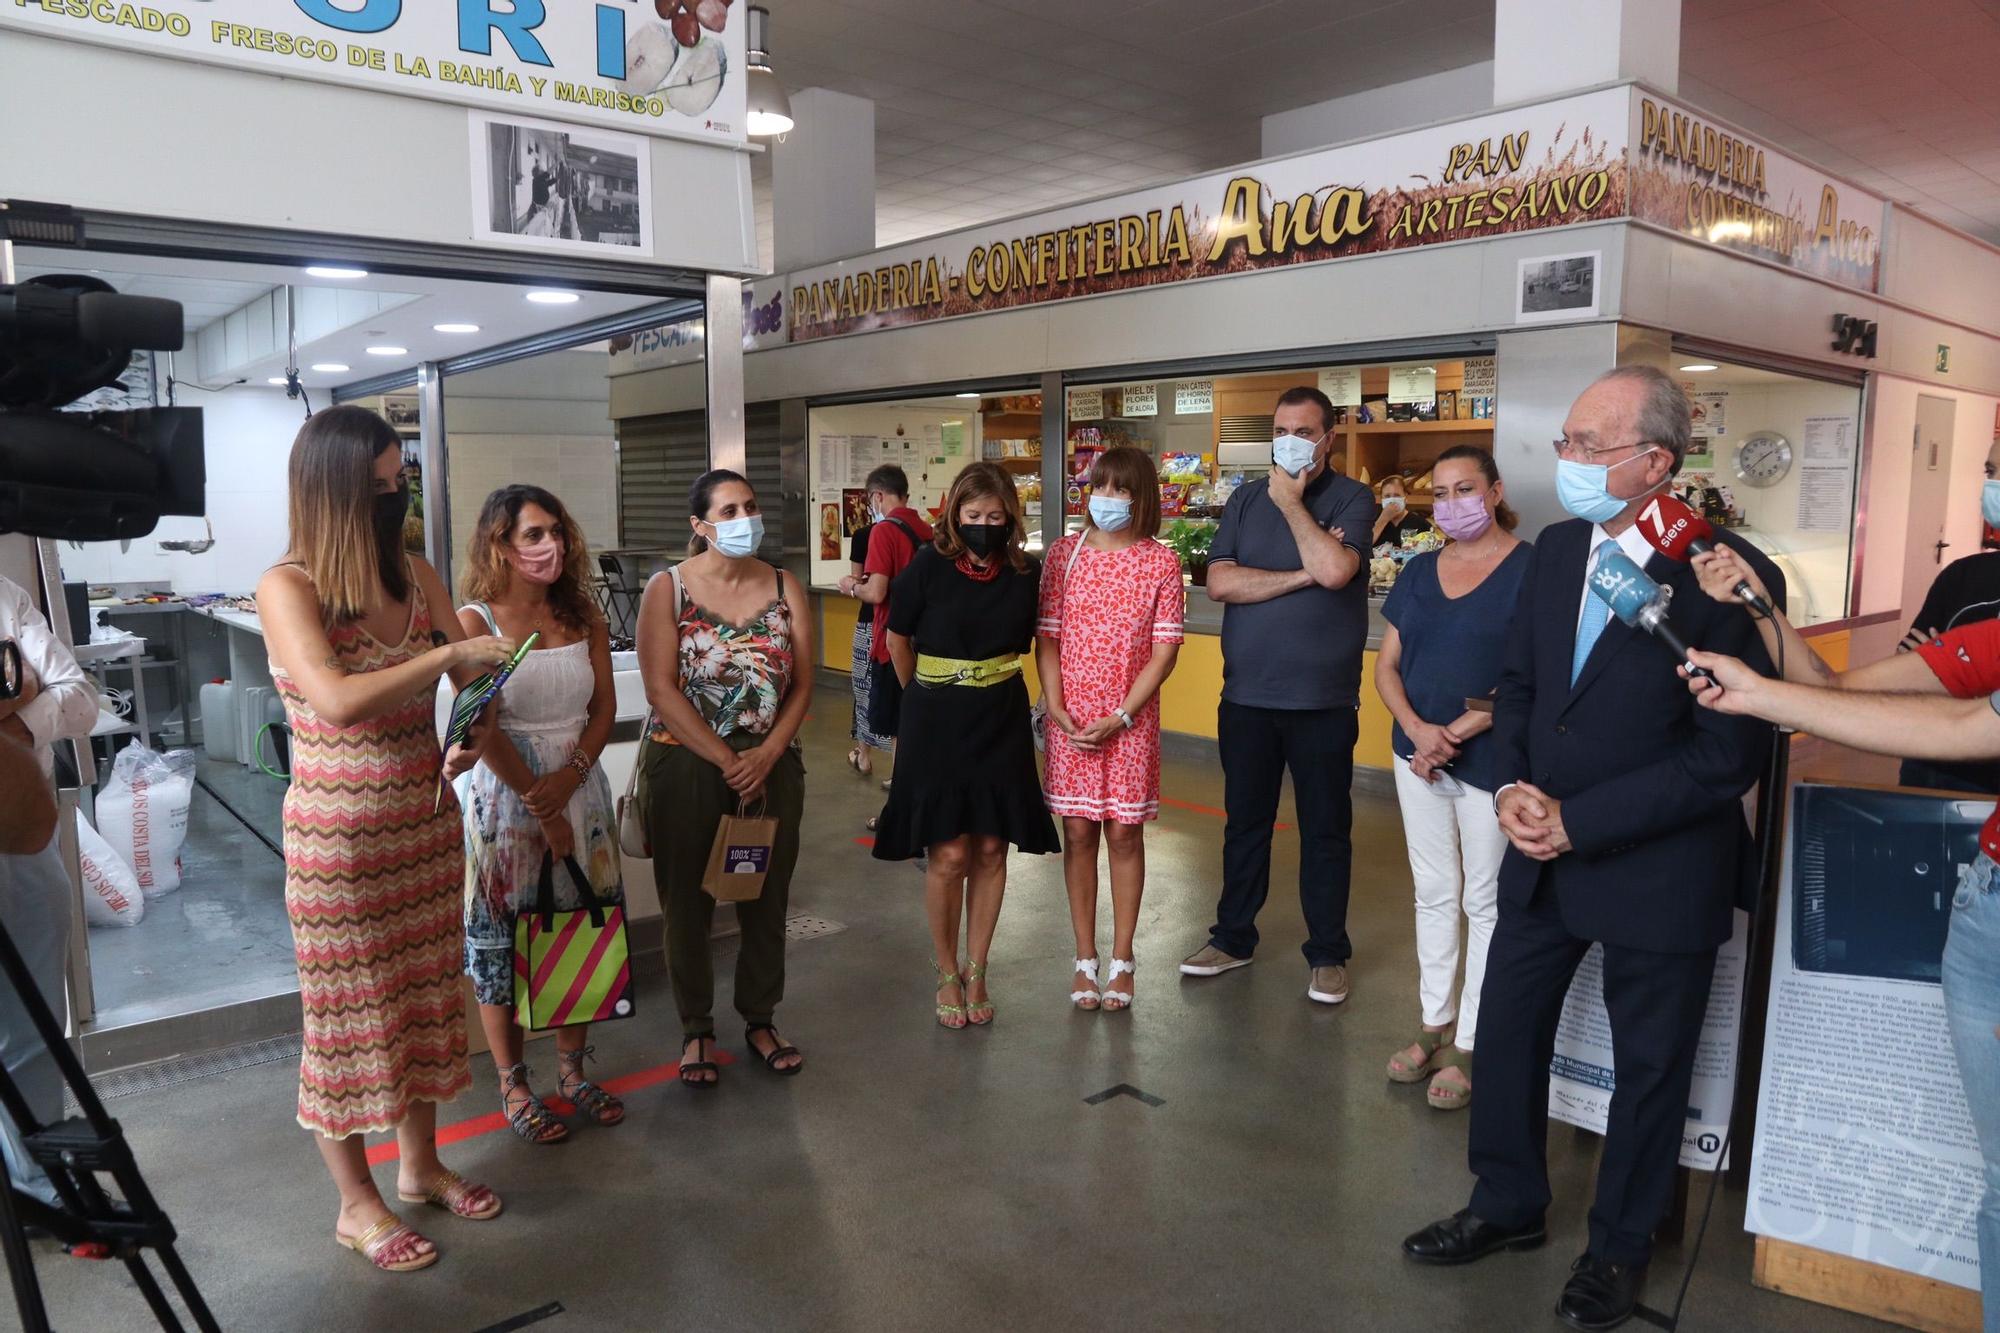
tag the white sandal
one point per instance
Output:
(1087, 999)
(1114, 1001)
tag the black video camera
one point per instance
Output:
(88, 476)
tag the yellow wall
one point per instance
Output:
(1187, 702)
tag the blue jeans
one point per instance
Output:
(1972, 1008)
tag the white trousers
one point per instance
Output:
(1455, 842)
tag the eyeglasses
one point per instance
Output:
(1565, 448)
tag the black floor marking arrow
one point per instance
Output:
(1124, 1090)
(536, 1316)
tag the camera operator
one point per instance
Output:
(1938, 703)
(52, 701)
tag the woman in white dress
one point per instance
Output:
(543, 793)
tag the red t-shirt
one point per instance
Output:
(890, 552)
(1967, 663)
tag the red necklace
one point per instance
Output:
(977, 573)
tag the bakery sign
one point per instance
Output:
(1702, 180)
(661, 67)
(1537, 167)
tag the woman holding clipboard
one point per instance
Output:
(373, 866)
(538, 790)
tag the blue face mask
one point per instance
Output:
(1585, 488)
(738, 537)
(1109, 513)
(1293, 453)
(1989, 503)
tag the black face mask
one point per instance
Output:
(985, 539)
(391, 508)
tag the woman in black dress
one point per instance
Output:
(960, 617)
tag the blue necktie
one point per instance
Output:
(1596, 613)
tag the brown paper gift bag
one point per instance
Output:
(741, 856)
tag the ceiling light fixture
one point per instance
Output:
(1698, 368)
(554, 298)
(967, 395)
(769, 110)
(456, 328)
(388, 351)
(332, 271)
(329, 368)
(280, 381)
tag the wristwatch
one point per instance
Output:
(1124, 717)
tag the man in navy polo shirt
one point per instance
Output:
(1288, 565)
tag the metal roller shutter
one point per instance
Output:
(659, 459)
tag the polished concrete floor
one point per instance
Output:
(222, 937)
(914, 1178)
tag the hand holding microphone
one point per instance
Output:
(1639, 602)
(1676, 531)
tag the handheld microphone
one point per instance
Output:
(1640, 603)
(1673, 528)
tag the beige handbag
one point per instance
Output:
(632, 838)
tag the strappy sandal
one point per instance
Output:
(530, 1118)
(779, 1050)
(947, 1012)
(391, 1246)
(602, 1108)
(455, 1194)
(1430, 1043)
(1117, 1001)
(858, 760)
(1449, 1096)
(977, 972)
(692, 1071)
(1087, 999)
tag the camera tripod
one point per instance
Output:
(75, 1153)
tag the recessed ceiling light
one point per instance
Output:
(331, 271)
(329, 367)
(1698, 368)
(279, 380)
(554, 298)
(388, 351)
(456, 328)
(968, 395)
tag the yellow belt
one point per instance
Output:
(956, 671)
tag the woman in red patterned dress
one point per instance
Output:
(1110, 629)
(359, 634)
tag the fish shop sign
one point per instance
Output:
(662, 67)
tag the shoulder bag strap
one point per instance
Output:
(486, 613)
(545, 892)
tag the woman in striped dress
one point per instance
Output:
(359, 634)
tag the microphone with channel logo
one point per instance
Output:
(1641, 603)
(1673, 528)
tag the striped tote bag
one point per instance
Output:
(570, 967)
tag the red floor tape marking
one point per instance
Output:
(869, 843)
(486, 1124)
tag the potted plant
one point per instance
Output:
(1190, 541)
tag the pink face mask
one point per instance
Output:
(542, 563)
(1464, 518)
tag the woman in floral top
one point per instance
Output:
(721, 640)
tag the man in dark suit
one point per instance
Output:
(1625, 819)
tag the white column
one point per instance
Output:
(823, 180)
(1544, 47)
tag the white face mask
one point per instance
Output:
(738, 537)
(1109, 513)
(1294, 453)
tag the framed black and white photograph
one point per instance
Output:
(1556, 287)
(560, 187)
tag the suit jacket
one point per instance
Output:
(1651, 783)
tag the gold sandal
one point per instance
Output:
(977, 972)
(1430, 1043)
(391, 1234)
(453, 1193)
(947, 1012)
